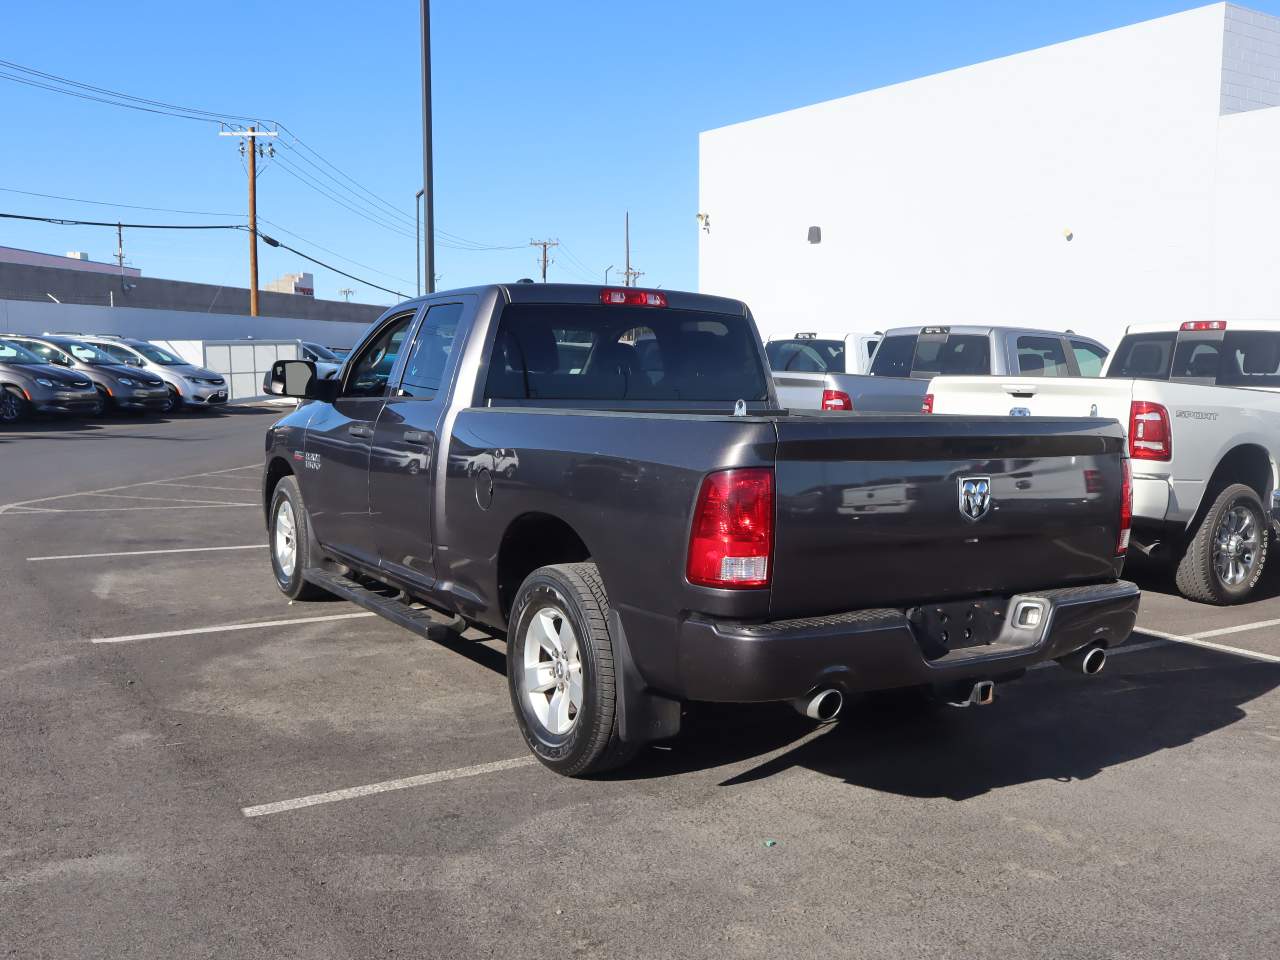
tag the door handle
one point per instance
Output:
(417, 437)
(360, 430)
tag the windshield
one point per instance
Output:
(320, 353)
(12, 353)
(806, 356)
(156, 355)
(599, 352)
(84, 352)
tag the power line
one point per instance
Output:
(121, 206)
(67, 222)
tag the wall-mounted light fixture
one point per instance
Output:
(815, 234)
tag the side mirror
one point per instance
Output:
(297, 378)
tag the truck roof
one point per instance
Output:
(1170, 326)
(588, 293)
(981, 329)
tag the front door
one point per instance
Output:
(334, 468)
(406, 445)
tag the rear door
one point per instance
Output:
(334, 468)
(406, 444)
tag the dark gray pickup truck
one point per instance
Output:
(605, 478)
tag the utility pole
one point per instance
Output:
(606, 274)
(120, 248)
(417, 237)
(630, 276)
(428, 183)
(346, 293)
(251, 135)
(544, 244)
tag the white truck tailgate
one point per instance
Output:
(1034, 396)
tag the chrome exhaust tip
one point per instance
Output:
(1088, 661)
(823, 706)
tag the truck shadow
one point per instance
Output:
(1050, 726)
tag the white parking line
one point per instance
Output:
(1242, 628)
(5, 507)
(369, 789)
(1195, 641)
(146, 553)
(130, 496)
(228, 627)
(198, 486)
(46, 511)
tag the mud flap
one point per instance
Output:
(643, 716)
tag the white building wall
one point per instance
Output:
(947, 199)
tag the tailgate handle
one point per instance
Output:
(1020, 389)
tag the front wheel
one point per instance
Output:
(13, 407)
(1224, 559)
(561, 670)
(289, 540)
(173, 404)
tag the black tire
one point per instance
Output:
(105, 404)
(288, 571)
(13, 406)
(573, 592)
(1198, 576)
(174, 403)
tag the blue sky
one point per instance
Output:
(552, 119)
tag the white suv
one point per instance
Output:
(189, 385)
(1201, 402)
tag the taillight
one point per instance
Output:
(731, 543)
(926, 405)
(1126, 507)
(634, 298)
(836, 400)
(1149, 434)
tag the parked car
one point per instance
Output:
(1201, 401)
(909, 357)
(188, 385)
(120, 387)
(811, 353)
(648, 532)
(30, 385)
(326, 361)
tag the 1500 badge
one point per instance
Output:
(309, 460)
(1196, 415)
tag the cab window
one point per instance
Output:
(1252, 359)
(1143, 356)
(425, 365)
(1090, 358)
(1042, 357)
(371, 370)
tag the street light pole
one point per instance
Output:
(428, 203)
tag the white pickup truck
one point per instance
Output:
(1201, 405)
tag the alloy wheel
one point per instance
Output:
(1236, 546)
(553, 683)
(284, 541)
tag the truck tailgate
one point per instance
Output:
(1033, 396)
(869, 508)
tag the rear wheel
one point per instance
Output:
(1224, 559)
(289, 542)
(561, 671)
(13, 406)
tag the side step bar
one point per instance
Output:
(424, 622)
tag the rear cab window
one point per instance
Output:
(613, 353)
(806, 356)
(933, 352)
(1143, 356)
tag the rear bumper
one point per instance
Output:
(880, 650)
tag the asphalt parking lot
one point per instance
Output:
(191, 767)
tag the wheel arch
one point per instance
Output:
(534, 540)
(1247, 463)
(276, 470)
